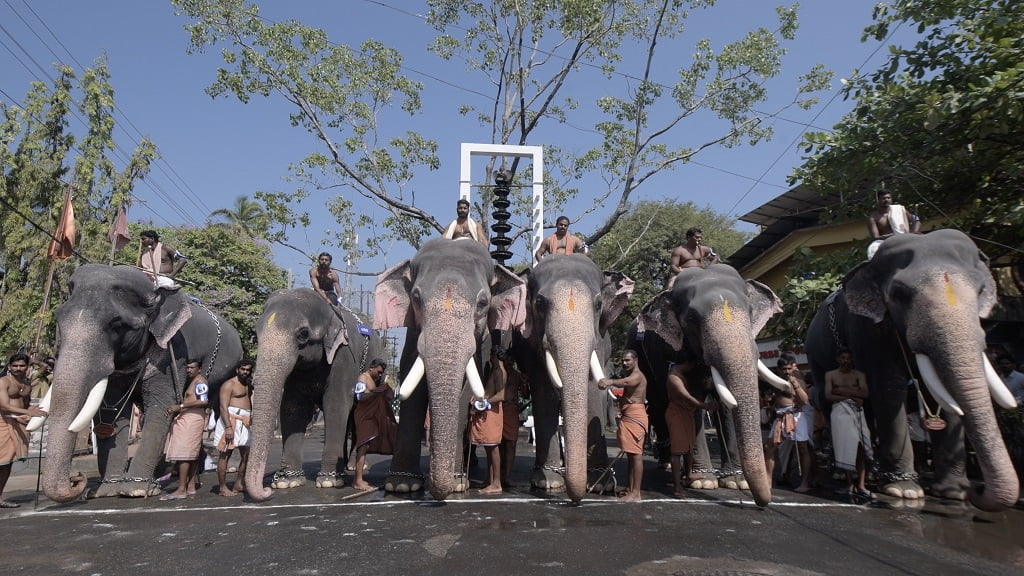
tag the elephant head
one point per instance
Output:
(299, 336)
(716, 315)
(448, 295)
(933, 289)
(113, 320)
(570, 305)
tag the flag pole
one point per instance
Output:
(49, 275)
(113, 242)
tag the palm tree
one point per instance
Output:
(245, 217)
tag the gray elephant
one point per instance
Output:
(716, 315)
(570, 305)
(118, 335)
(309, 353)
(449, 295)
(917, 303)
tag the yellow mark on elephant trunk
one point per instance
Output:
(448, 300)
(727, 311)
(270, 319)
(572, 301)
(950, 295)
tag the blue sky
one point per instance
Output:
(215, 150)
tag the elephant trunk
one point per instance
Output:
(275, 364)
(445, 361)
(80, 366)
(729, 348)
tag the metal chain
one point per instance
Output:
(897, 476)
(280, 474)
(840, 343)
(124, 480)
(216, 346)
(405, 474)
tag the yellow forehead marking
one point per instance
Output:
(950, 295)
(727, 311)
(572, 302)
(448, 304)
(270, 319)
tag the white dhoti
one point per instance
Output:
(849, 430)
(240, 417)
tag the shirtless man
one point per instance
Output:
(184, 443)
(847, 388)
(889, 219)
(465, 227)
(233, 426)
(374, 421)
(324, 280)
(693, 254)
(15, 411)
(679, 416)
(561, 242)
(787, 423)
(159, 261)
(633, 422)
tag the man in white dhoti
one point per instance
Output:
(847, 389)
(889, 219)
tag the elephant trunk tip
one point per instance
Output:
(989, 500)
(259, 494)
(68, 490)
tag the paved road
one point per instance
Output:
(311, 531)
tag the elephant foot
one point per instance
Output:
(703, 480)
(547, 478)
(600, 480)
(403, 482)
(955, 489)
(284, 479)
(126, 487)
(900, 485)
(330, 480)
(734, 481)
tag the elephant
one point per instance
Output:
(918, 302)
(715, 315)
(118, 337)
(308, 353)
(449, 296)
(571, 303)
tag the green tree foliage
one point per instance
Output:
(941, 122)
(39, 158)
(538, 56)
(231, 274)
(247, 217)
(641, 243)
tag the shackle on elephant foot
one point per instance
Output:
(284, 479)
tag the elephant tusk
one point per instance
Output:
(772, 378)
(412, 379)
(475, 383)
(723, 393)
(1000, 393)
(36, 422)
(596, 370)
(89, 409)
(549, 361)
(935, 385)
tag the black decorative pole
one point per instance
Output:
(501, 215)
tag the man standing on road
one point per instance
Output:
(233, 426)
(15, 412)
(633, 422)
(184, 443)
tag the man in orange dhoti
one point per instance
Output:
(633, 422)
(375, 424)
(185, 441)
(15, 412)
(487, 421)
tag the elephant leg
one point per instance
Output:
(111, 453)
(405, 474)
(731, 470)
(157, 393)
(896, 476)
(598, 481)
(296, 412)
(547, 469)
(337, 413)
(950, 460)
(703, 475)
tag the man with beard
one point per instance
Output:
(324, 280)
(233, 426)
(15, 412)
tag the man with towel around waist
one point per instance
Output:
(889, 219)
(632, 421)
(185, 441)
(233, 426)
(847, 389)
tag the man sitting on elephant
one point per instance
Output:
(159, 261)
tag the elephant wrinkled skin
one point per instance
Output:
(448, 296)
(917, 303)
(116, 327)
(309, 353)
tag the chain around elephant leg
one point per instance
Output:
(900, 485)
(548, 478)
(330, 480)
(126, 487)
(287, 478)
(403, 482)
(703, 479)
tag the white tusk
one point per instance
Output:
(412, 379)
(89, 409)
(935, 385)
(596, 370)
(475, 383)
(772, 378)
(723, 393)
(1000, 393)
(549, 361)
(36, 422)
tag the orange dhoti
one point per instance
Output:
(682, 430)
(186, 438)
(13, 440)
(375, 425)
(510, 430)
(486, 427)
(632, 428)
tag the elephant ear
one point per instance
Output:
(982, 276)
(659, 316)
(863, 294)
(615, 293)
(763, 305)
(173, 311)
(508, 300)
(391, 301)
(337, 334)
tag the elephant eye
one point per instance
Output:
(542, 303)
(417, 298)
(302, 336)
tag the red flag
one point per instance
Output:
(118, 233)
(62, 245)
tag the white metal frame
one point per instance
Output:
(536, 153)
